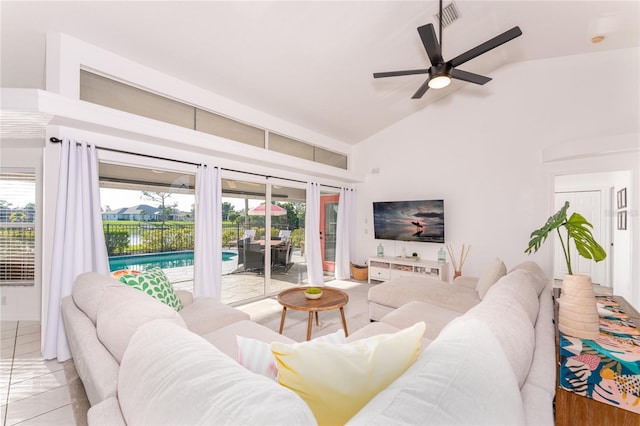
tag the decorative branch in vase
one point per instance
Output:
(457, 267)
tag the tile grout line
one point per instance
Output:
(13, 356)
(43, 413)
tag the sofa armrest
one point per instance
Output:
(106, 412)
(186, 297)
(466, 281)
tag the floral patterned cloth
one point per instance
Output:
(606, 369)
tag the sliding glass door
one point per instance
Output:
(288, 262)
(243, 240)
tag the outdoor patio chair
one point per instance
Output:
(253, 257)
(282, 257)
(284, 234)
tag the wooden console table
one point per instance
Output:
(574, 409)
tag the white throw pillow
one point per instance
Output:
(255, 355)
(336, 381)
(494, 271)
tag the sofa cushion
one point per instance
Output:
(531, 266)
(491, 274)
(255, 355)
(206, 314)
(538, 279)
(511, 326)
(171, 376)
(459, 379)
(404, 289)
(517, 287)
(370, 330)
(434, 317)
(337, 380)
(155, 283)
(224, 338)
(87, 292)
(122, 311)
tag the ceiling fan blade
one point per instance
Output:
(398, 73)
(469, 76)
(486, 46)
(430, 42)
(421, 90)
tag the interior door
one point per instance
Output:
(328, 222)
(588, 204)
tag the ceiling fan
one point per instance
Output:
(440, 73)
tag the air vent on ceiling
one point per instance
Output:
(450, 14)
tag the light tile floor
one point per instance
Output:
(32, 391)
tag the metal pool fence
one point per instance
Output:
(126, 239)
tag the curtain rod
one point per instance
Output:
(56, 140)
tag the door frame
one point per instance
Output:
(327, 265)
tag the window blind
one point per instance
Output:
(17, 227)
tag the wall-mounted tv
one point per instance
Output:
(421, 221)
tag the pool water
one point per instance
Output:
(162, 260)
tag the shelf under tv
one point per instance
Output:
(386, 268)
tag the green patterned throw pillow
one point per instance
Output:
(156, 284)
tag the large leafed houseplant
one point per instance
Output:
(577, 229)
(578, 313)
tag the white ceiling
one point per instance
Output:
(310, 63)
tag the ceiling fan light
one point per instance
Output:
(439, 81)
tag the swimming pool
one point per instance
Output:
(167, 260)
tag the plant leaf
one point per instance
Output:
(580, 230)
(540, 236)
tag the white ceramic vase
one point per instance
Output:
(578, 312)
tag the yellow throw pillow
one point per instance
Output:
(337, 380)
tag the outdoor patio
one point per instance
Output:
(239, 286)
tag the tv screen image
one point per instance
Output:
(421, 221)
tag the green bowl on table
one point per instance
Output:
(313, 293)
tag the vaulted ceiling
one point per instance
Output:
(307, 62)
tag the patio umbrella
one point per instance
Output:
(274, 210)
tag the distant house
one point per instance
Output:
(113, 214)
(140, 212)
(180, 216)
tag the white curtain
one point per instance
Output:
(312, 235)
(345, 234)
(207, 276)
(78, 238)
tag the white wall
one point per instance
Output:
(617, 243)
(481, 150)
(22, 303)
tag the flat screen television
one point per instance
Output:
(421, 221)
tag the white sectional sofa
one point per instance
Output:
(491, 365)
(465, 294)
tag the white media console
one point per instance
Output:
(386, 268)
